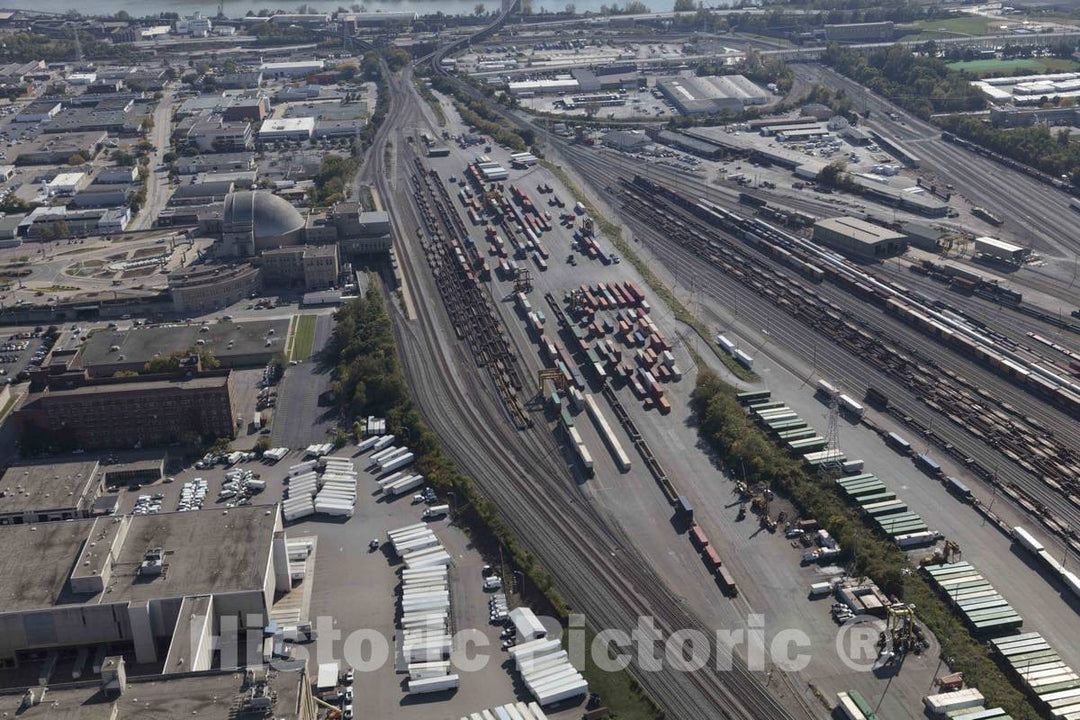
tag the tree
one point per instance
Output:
(479, 9)
(684, 5)
(570, 9)
(125, 374)
(76, 159)
(261, 446)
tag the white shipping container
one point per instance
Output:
(957, 700)
(430, 685)
(367, 444)
(398, 462)
(383, 442)
(728, 346)
(422, 670)
(743, 359)
(405, 485)
(563, 692)
(396, 531)
(443, 559)
(1026, 539)
(851, 406)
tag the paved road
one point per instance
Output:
(299, 420)
(157, 185)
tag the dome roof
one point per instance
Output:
(268, 215)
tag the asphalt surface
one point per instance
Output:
(299, 419)
(838, 364)
(597, 570)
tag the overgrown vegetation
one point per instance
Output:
(923, 85)
(175, 361)
(1037, 146)
(614, 233)
(477, 114)
(725, 427)
(332, 180)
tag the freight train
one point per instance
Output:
(916, 309)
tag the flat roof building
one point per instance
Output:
(147, 586)
(42, 492)
(234, 344)
(712, 94)
(290, 68)
(128, 412)
(859, 238)
(311, 267)
(295, 129)
(1001, 250)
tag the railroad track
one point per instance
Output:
(597, 567)
(471, 310)
(948, 434)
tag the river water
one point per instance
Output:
(237, 8)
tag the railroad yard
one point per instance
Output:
(729, 356)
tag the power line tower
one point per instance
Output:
(78, 45)
(832, 437)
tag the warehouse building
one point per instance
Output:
(234, 344)
(154, 588)
(291, 68)
(284, 694)
(43, 492)
(860, 32)
(712, 94)
(859, 239)
(128, 412)
(1000, 250)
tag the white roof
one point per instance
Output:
(69, 178)
(328, 675)
(1000, 244)
(301, 124)
(292, 64)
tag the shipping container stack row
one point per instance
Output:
(1055, 685)
(652, 359)
(425, 609)
(711, 558)
(510, 711)
(886, 510)
(966, 704)
(325, 485)
(546, 671)
(984, 610)
(791, 431)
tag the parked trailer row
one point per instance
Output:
(1028, 541)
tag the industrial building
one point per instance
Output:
(154, 588)
(859, 239)
(712, 94)
(860, 32)
(233, 344)
(127, 412)
(1000, 250)
(291, 68)
(284, 694)
(1030, 89)
(53, 491)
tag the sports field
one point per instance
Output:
(303, 337)
(1007, 67)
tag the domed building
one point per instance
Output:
(258, 220)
